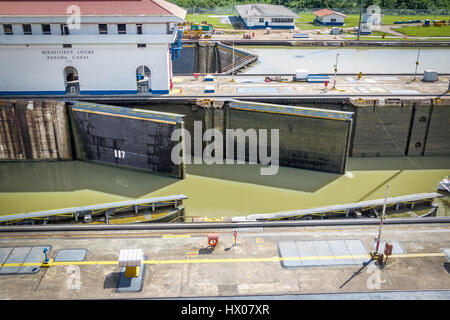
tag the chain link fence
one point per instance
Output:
(395, 12)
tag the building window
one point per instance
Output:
(333, 20)
(65, 29)
(26, 29)
(261, 19)
(103, 29)
(142, 45)
(46, 29)
(122, 28)
(282, 20)
(67, 45)
(139, 28)
(7, 29)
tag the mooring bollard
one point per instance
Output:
(213, 239)
(47, 261)
(387, 251)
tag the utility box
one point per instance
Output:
(430, 76)
(334, 31)
(301, 75)
(209, 89)
(206, 27)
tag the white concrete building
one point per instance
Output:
(329, 17)
(87, 47)
(260, 16)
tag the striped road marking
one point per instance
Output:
(227, 260)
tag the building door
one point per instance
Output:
(71, 81)
(143, 79)
(267, 24)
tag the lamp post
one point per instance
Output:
(381, 222)
(417, 65)
(232, 64)
(335, 71)
(360, 14)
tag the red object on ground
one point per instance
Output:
(388, 249)
(213, 239)
(326, 83)
(196, 75)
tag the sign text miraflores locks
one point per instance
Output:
(68, 54)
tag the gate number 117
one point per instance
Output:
(119, 154)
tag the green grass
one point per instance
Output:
(198, 18)
(387, 19)
(352, 20)
(305, 22)
(431, 31)
(394, 39)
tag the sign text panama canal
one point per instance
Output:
(69, 54)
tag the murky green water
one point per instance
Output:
(351, 60)
(217, 190)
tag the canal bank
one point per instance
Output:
(180, 264)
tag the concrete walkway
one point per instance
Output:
(248, 85)
(181, 264)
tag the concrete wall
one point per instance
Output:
(207, 58)
(32, 70)
(381, 131)
(397, 128)
(33, 130)
(187, 62)
(438, 137)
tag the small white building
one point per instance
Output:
(261, 16)
(372, 17)
(87, 47)
(327, 17)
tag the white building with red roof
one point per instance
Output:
(87, 47)
(327, 17)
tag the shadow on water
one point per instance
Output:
(76, 175)
(16, 177)
(285, 178)
(397, 163)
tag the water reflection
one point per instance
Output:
(216, 190)
(76, 175)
